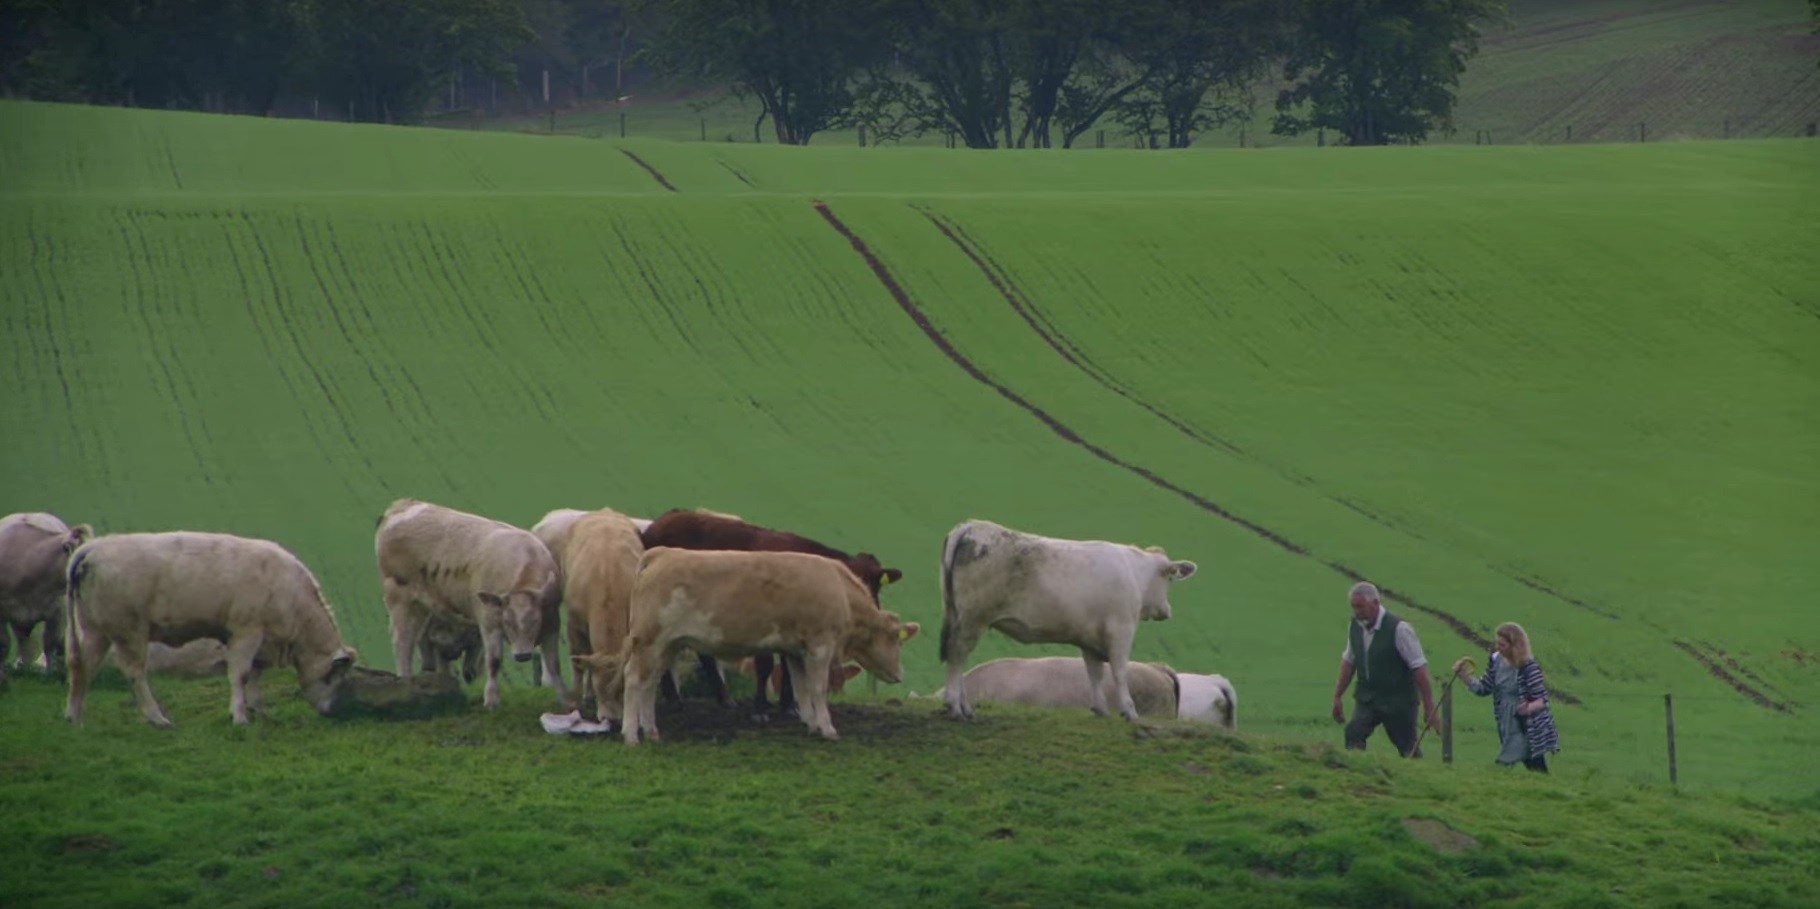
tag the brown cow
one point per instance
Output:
(34, 554)
(732, 604)
(686, 529)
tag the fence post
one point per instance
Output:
(1320, 138)
(1447, 724)
(862, 135)
(1668, 703)
(704, 128)
(1813, 129)
(1101, 139)
(1643, 131)
(622, 124)
(1728, 128)
(1570, 132)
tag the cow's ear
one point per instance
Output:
(344, 659)
(892, 575)
(906, 632)
(492, 601)
(1181, 570)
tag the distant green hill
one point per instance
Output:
(1564, 70)
(1573, 387)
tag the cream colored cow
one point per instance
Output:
(34, 559)
(812, 609)
(599, 561)
(469, 570)
(128, 590)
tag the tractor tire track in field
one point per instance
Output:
(539, 300)
(297, 349)
(423, 417)
(1058, 342)
(1722, 674)
(657, 295)
(1062, 345)
(1069, 435)
(448, 268)
(737, 173)
(158, 347)
(649, 169)
(47, 290)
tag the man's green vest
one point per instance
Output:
(1383, 680)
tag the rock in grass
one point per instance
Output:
(377, 693)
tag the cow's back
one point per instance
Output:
(1062, 682)
(739, 594)
(193, 580)
(599, 567)
(30, 550)
(453, 554)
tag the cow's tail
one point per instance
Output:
(1232, 704)
(75, 575)
(950, 616)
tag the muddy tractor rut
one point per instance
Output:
(996, 276)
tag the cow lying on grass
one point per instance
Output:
(733, 604)
(1042, 590)
(1157, 689)
(128, 590)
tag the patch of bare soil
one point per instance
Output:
(1439, 835)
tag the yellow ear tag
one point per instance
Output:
(884, 580)
(903, 634)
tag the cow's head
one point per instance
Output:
(607, 680)
(1156, 593)
(320, 676)
(872, 573)
(520, 616)
(878, 645)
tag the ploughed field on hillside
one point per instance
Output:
(1570, 387)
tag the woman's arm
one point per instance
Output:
(1535, 691)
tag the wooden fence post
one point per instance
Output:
(622, 124)
(1447, 724)
(1570, 132)
(1643, 131)
(862, 135)
(1101, 140)
(704, 128)
(1728, 128)
(1668, 703)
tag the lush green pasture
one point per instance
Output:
(1562, 71)
(1569, 387)
(1020, 808)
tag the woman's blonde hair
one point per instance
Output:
(1519, 642)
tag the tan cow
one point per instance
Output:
(34, 557)
(128, 590)
(599, 564)
(812, 609)
(469, 570)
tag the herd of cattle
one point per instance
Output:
(636, 595)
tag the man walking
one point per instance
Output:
(1392, 671)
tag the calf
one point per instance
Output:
(472, 572)
(811, 609)
(129, 590)
(702, 530)
(35, 549)
(1043, 590)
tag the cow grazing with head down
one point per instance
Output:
(704, 530)
(129, 590)
(1043, 590)
(731, 604)
(600, 551)
(35, 549)
(469, 571)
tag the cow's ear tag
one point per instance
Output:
(884, 580)
(903, 634)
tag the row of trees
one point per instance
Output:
(994, 73)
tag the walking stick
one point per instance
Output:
(1451, 678)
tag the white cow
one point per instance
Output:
(1043, 590)
(1207, 699)
(34, 557)
(470, 570)
(129, 590)
(1156, 688)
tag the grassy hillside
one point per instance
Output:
(1571, 387)
(1559, 71)
(1020, 808)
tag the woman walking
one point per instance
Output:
(1513, 679)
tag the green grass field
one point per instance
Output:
(1571, 387)
(1562, 71)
